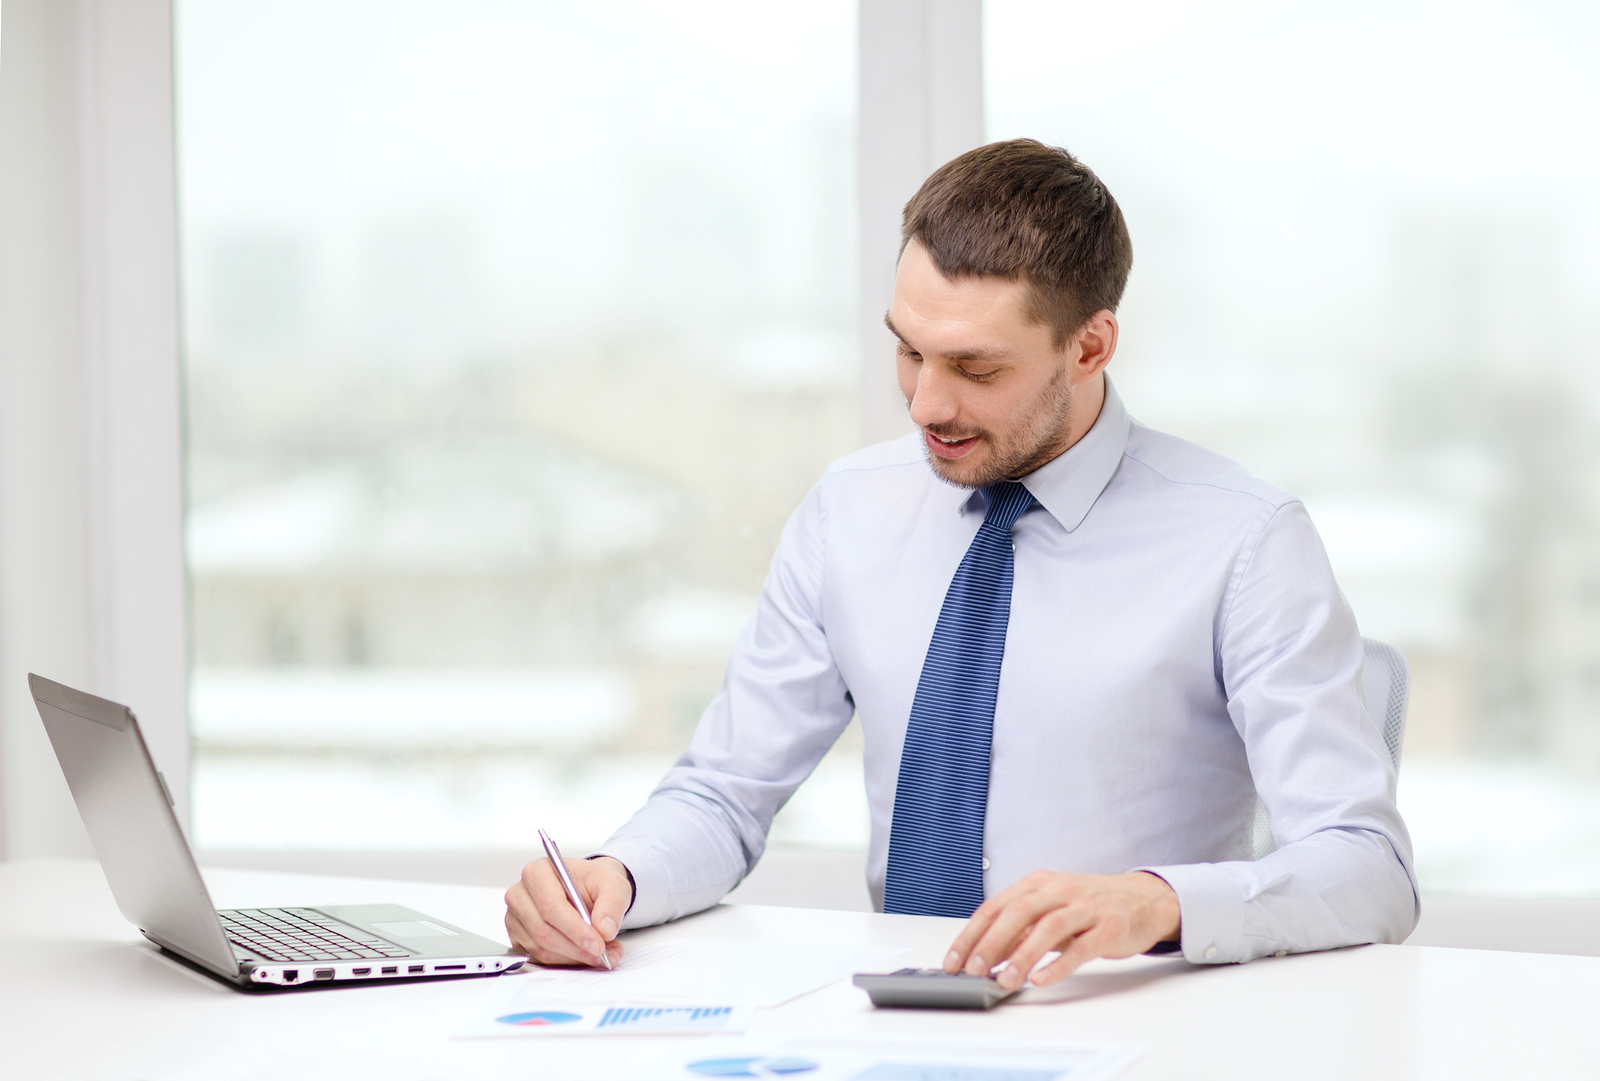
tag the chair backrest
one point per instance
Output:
(1386, 682)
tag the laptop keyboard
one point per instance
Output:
(301, 934)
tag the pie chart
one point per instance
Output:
(540, 1017)
(756, 1066)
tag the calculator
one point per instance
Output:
(931, 988)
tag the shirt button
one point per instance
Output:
(1211, 951)
(986, 863)
(1281, 953)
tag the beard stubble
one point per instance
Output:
(1037, 437)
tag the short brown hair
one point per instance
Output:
(1021, 209)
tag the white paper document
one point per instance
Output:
(692, 972)
(899, 1060)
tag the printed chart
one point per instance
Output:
(523, 1015)
(894, 1060)
(753, 1066)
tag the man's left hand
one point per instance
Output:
(1083, 916)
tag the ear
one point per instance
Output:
(1092, 347)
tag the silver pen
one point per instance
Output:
(553, 850)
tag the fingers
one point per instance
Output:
(960, 955)
(557, 908)
(541, 921)
(961, 949)
(1095, 941)
(541, 942)
(521, 937)
(1084, 916)
(605, 883)
(1071, 930)
(563, 953)
(1022, 911)
(518, 905)
(535, 941)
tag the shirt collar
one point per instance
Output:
(1068, 485)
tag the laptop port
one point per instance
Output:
(322, 973)
(415, 968)
(449, 968)
(390, 970)
(290, 975)
(361, 972)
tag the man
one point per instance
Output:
(1079, 649)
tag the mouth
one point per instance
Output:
(945, 447)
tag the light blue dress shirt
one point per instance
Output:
(1177, 647)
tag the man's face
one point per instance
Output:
(987, 386)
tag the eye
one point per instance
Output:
(906, 351)
(979, 376)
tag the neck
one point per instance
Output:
(1087, 401)
(1083, 409)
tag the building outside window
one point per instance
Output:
(515, 331)
(1364, 267)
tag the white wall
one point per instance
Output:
(91, 565)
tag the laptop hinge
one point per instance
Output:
(245, 968)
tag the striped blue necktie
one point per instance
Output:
(936, 838)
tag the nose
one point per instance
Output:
(934, 401)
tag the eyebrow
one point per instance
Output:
(962, 354)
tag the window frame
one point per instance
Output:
(92, 577)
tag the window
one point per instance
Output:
(1365, 267)
(515, 331)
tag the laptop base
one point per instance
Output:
(249, 986)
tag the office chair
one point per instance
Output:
(1386, 681)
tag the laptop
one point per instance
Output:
(127, 810)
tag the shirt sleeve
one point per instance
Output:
(783, 703)
(1290, 659)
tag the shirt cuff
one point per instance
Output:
(1211, 911)
(648, 870)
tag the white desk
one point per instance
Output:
(83, 997)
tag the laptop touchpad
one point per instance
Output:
(410, 929)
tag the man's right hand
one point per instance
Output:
(544, 925)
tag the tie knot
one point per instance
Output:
(1007, 502)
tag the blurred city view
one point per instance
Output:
(508, 358)
(1367, 266)
(515, 331)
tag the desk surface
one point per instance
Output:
(84, 997)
